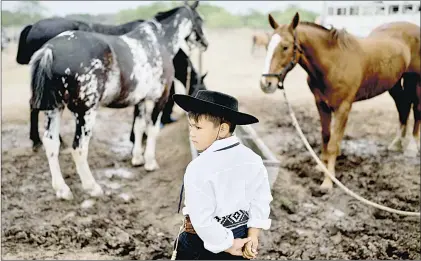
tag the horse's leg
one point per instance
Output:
(333, 147)
(166, 113)
(253, 44)
(85, 122)
(63, 145)
(139, 127)
(136, 112)
(51, 143)
(403, 104)
(415, 88)
(153, 131)
(325, 114)
(34, 132)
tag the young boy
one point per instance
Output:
(227, 193)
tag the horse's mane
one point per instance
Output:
(340, 37)
(164, 15)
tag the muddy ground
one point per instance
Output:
(137, 218)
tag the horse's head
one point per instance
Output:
(195, 35)
(186, 23)
(282, 54)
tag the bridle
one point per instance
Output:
(281, 75)
(195, 26)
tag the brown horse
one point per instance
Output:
(343, 69)
(260, 39)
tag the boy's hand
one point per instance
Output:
(250, 248)
(237, 246)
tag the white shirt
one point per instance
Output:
(219, 183)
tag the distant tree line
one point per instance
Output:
(29, 12)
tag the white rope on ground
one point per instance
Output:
(174, 252)
(337, 182)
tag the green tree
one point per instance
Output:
(32, 7)
(285, 16)
(26, 12)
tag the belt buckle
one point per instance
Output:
(188, 227)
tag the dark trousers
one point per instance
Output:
(191, 247)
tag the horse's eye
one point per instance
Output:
(285, 48)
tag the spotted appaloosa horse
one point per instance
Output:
(181, 63)
(34, 36)
(84, 70)
(343, 69)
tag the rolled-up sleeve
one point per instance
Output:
(260, 202)
(201, 204)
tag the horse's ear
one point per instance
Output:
(195, 4)
(295, 21)
(272, 22)
(204, 75)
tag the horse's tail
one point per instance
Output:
(24, 54)
(45, 95)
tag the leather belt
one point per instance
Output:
(234, 220)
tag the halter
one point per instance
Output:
(157, 25)
(194, 25)
(281, 75)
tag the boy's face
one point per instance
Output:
(204, 132)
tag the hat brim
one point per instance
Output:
(189, 103)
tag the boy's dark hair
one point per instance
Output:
(216, 120)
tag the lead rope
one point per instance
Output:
(326, 171)
(174, 252)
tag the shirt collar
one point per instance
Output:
(219, 144)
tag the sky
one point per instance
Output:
(96, 7)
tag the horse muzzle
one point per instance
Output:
(268, 85)
(203, 44)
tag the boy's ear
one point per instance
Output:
(225, 127)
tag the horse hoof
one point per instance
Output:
(411, 152)
(317, 192)
(64, 193)
(94, 190)
(413, 148)
(138, 161)
(326, 186)
(36, 146)
(395, 146)
(151, 166)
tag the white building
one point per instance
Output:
(361, 17)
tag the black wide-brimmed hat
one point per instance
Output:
(215, 103)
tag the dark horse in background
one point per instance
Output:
(33, 37)
(85, 70)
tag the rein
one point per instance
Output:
(281, 75)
